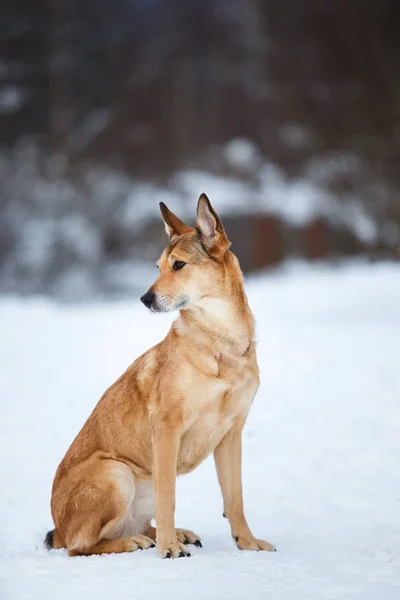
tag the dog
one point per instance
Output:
(184, 398)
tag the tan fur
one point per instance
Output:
(183, 399)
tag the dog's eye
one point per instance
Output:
(178, 265)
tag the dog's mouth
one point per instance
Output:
(182, 303)
(162, 304)
(155, 308)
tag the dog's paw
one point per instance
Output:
(172, 550)
(139, 542)
(185, 536)
(248, 542)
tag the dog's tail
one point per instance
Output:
(53, 540)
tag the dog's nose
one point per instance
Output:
(147, 299)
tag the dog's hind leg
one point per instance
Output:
(99, 510)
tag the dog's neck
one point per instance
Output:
(224, 320)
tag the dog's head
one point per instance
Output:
(194, 264)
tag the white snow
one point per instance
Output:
(242, 153)
(321, 446)
(36, 243)
(294, 136)
(12, 98)
(296, 201)
(80, 236)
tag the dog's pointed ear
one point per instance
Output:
(210, 228)
(173, 225)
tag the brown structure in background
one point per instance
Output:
(315, 238)
(266, 236)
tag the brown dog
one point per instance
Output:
(183, 399)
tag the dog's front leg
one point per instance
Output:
(165, 454)
(228, 461)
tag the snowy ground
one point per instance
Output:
(321, 447)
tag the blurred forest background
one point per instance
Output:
(285, 112)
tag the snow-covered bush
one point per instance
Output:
(76, 232)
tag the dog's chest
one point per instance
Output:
(213, 408)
